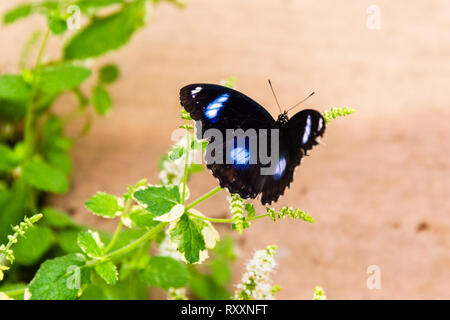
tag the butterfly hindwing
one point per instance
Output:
(297, 136)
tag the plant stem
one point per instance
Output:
(186, 163)
(146, 236)
(203, 198)
(225, 220)
(210, 219)
(115, 236)
(29, 135)
(258, 217)
(119, 227)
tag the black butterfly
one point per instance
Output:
(222, 108)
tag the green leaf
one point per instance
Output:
(91, 6)
(57, 218)
(44, 177)
(104, 205)
(15, 286)
(14, 87)
(12, 111)
(165, 273)
(91, 244)
(67, 240)
(158, 199)
(176, 152)
(101, 100)
(250, 208)
(8, 158)
(224, 249)
(55, 146)
(107, 271)
(188, 233)
(131, 288)
(24, 10)
(59, 159)
(194, 168)
(106, 34)
(31, 248)
(221, 272)
(60, 279)
(62, 77)
(13, 204)
(17, 13)
(140, 217)
(205, 288)
(56, 24)
(109, 73)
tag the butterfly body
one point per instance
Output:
(221, 109)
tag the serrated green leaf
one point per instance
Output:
(44, 177)
(142, 218)
(104, 205)
(108, 73)
(101, 100)
(14, 87)
(8, 158)
(158, 199)
(165, 273)
(107, 271)
(66, 76)
(188, 233)
(61, 278)
(108, 33)
(57, 218)
(31, 248)
(91, 244)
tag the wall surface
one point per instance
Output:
(379, 187)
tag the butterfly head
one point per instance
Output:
(283, 118)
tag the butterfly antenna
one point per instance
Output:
(298, 103)
(278, 104)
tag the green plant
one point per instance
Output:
(34, 148)
(166, 244)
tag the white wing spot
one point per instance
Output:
(281, 166)
(195, 91)
(307, 131)
(320, 124)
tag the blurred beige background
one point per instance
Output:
(379, 188)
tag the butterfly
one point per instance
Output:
(221, 108)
